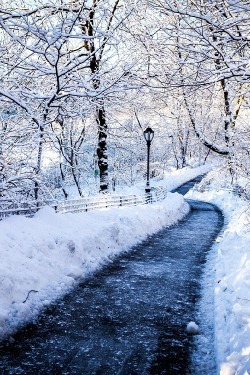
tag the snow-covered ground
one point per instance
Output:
(232, 276)
(43, 257)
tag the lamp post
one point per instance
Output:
(148, 135)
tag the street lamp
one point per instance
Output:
(148, 135)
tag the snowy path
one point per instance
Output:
(129, 318)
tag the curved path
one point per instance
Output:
(130, 317)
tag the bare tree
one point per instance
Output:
(205, 47)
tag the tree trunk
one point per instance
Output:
(95, 60)
(63, 180)
(102, 149)
(39, 162)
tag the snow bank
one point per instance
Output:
(47, 254)
(232, 283)
(43, 257)
(180, 176)
(171, 180)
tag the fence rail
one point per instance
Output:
(94, 203)
(27, 208)
(7, 208)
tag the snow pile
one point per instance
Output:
(192, 328)
(47, 254)
(180, 176)
(232, 284)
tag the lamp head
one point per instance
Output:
(148, 134)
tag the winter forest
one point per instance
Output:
(82, 79)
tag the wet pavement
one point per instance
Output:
(130, 317)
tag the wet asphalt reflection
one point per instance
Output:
(128, 318)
